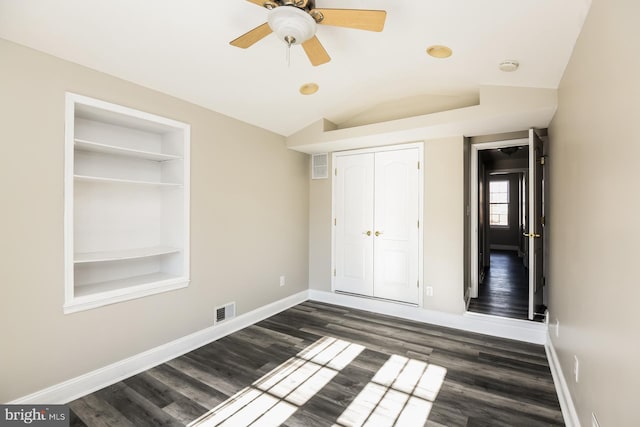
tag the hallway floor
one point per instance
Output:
(505, 291)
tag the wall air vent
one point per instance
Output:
(225, 312)
(320, 166)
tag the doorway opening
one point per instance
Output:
(506, 224)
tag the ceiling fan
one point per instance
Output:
(295, 22)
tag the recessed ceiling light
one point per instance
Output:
(508, 66)
(309, 88)
(438, 51)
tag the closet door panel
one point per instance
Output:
(354, 218)
(396, 234)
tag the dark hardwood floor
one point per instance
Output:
(505, 291)
(322, 365)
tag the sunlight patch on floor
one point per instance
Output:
(401, 394)
(273, 398)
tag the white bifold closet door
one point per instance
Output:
(376, 224)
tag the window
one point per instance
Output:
(499, 203)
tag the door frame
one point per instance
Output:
(536, 226)
(405, 146)
(473, 192)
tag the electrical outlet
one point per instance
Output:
(429, 291)
(576, 367)
(557, 328)
(282, 280)
(594, 420)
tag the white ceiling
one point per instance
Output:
(182, 48)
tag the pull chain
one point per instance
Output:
(289, 40)
(289, 56)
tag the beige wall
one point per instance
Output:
(443, 226)
(593, 219)
(320, 233)
(249, 225)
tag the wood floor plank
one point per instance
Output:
(484, 342)
(488, 380)
(372, 340)
(211, 377)
(265, 337)
(184, 410)
(482, 404)
(138, 410)
(163, 396)
(472, 370)
(96, 412)
(153, 390)
(75, 420)
(190, 387)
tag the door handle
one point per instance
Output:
(378, 233)
(368, 232)
(534, 235)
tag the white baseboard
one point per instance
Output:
(95, 380)
(522, 330)
(562, 389)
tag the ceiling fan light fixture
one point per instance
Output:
(508, 150)
(439, 51)
(291, 25)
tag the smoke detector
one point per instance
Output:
(508, 66)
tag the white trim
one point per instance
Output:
(69, 152)
(81, 303)
(473, 226)
(95, 380)
(532, 222)
(401, 146)
(473, 189)
(186, 194)
(153, 119)
(569, 412)
(421, 224)
(404, 146)
(522, 330)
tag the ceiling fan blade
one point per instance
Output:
(258, 2)
(248, 39)
(315, 52)
(371, 20)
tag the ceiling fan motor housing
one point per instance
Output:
(292, 25)
(302, 4)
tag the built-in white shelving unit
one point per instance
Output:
(126, 204)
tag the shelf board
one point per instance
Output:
(122, 286)
(84, 257)
(97, 147)
(100, 179)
